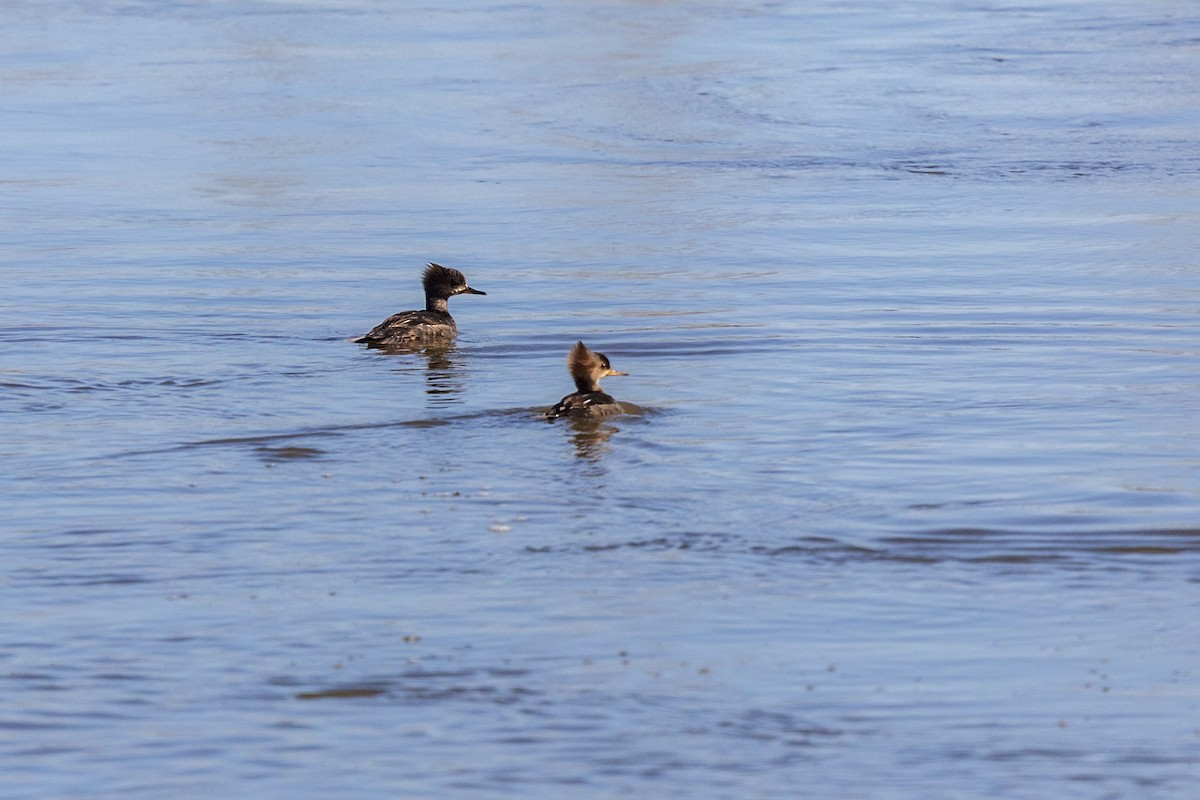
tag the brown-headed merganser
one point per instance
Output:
(588, 401)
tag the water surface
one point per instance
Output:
(910, 506)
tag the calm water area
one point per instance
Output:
(908, 501)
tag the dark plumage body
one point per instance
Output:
(430, 326)
(588, 401)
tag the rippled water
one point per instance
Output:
(910, 503)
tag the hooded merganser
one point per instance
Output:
(587, 368)
(421, 327)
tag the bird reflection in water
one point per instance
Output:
(445, 377)
(590, 437)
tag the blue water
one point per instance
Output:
(908, 503)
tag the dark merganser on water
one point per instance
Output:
(430, 326)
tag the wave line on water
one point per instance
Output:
(266, 439)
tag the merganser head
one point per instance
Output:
(445, 282)
(587, 368)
